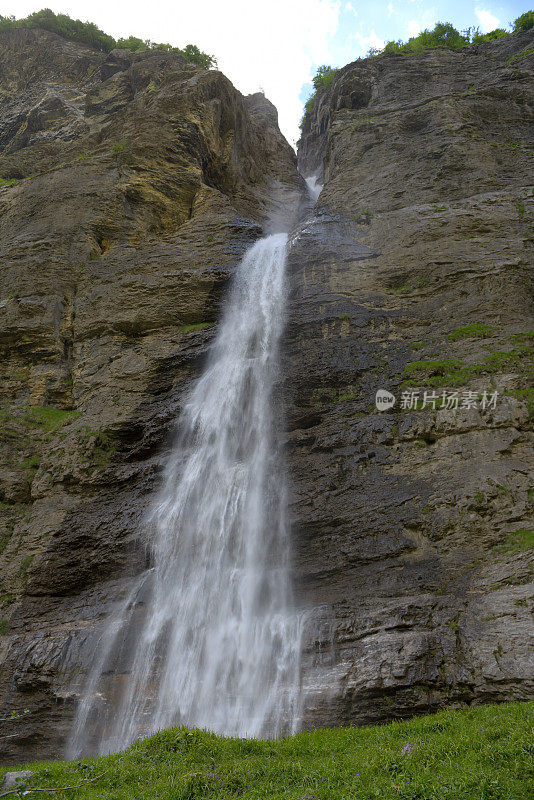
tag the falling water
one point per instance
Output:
(213, 637)
(314, 187)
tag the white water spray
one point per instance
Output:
(314, 187)
(215, 643)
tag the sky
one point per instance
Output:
(276, 46)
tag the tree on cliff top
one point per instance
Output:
(88, 33)
(74, 29)
(525, 22)
(445, 35)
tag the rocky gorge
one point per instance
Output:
(131, 186)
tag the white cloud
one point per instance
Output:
(390, 9)
(365, 42)
(488, 21)
(414, 27)
(350, 7)
(276, 47)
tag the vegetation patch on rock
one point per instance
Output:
(88, 33)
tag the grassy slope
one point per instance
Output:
(484, 753)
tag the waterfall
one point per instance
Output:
(314, 187)
(208, 637)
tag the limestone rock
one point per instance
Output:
(412, 525)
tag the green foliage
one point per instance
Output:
(88, 33)
(518, 542)
(197, 57)
(479, 753)
(523, 54)
(525, 22)
(51, 419)
(443, 35)
(323, 77)
(430, 367)
(133, 44)
(453, 372)
(119, 147)
(74, 29)
(308, 105)
(476, 329)
(191, 52)
(30, 465)
(478, 37)
(101, 449)
(25, 565)
(8, 182)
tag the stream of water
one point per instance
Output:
(209, 636)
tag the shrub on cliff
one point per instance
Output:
(191, 52)
(478, 37)
(322, 78)
(525, 22)
(443, 35)
(196, 56)
(88, 33)
(74, 29)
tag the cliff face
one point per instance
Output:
(412, 526)
(132, 185)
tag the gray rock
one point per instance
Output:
(12, 779)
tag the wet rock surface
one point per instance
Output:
(412, 526)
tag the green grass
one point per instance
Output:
(522, 54)
(103, 447)
(8, 182)
(431, 367)
(50, 419)
(518, 542)
(453, 372)
(474, 330)
(482, 753)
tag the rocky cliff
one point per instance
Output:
(414, 526)
(131, 186)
